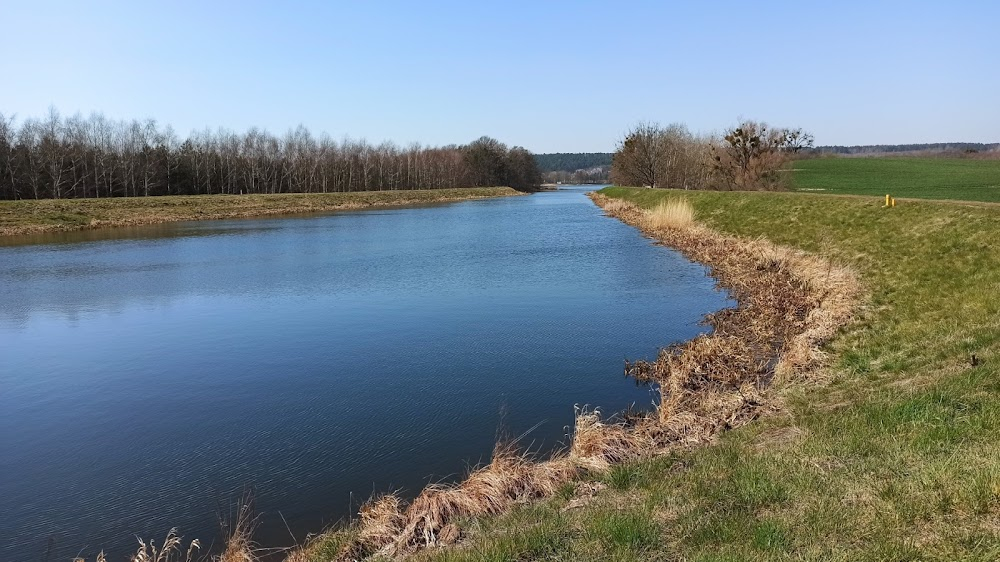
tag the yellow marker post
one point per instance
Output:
(886, 200)
(892, 200)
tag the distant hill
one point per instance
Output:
(572, 161)
(898, 148)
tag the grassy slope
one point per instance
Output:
(923, 178)
(895, 457)
(17, 217)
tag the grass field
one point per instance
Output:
(30, 216)
(922, 178)
(895, 456)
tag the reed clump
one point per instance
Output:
(617, 205)
(171, 550)
(389, 527)
(240, 546)
(671, 214)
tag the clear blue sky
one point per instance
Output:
(551, 76)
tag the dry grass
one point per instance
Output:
(597, 445)
(789, 304)
(172, 550)
(239, 543)
(389, 527)
(617, 206)
(671, 214)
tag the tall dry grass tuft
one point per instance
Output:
(388, 527)
(170, 551)
(596, 444)
(381, 521)
(672, 214)
(614, 206)
(239, 544)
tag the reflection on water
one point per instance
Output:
(151, 374)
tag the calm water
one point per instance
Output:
(148, 376)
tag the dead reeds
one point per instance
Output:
(789, 304)
(239, 531)
(675, 214)
(171, 550)
(388, 527)
(239, 545)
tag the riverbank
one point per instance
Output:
(789, 303)
(52, 215)
(887, 452)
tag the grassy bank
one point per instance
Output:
(893, 455)
(30, 216)
(922, 178)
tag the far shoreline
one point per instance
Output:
(25, 217)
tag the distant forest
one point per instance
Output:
(574, 167)
(60, 158)
(967, 147)
(572, 161)
(595, 167)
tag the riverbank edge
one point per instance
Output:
(789, 303)
(26, 217)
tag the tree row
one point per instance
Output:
(58, 157)
(749, 156)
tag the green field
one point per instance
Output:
(921, 178)
(894, 456)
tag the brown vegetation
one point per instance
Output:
(749, 156)
(789, 304)
(171, 550)
(656, 156)
(676, 213)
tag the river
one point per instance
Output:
(149, 376)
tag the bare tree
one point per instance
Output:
(751, 155)
(99, 157)
(655, 156)
(638, 157)
(8, 159)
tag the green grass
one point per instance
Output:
(895, 456)
(30, 216)
(921, 178)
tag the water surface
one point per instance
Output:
(148, 376)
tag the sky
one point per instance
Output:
(547, 75)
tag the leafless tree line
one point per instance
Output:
(595, 175)
(749, 156)
(56, 157)
(942, 149)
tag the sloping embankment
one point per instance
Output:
(53, 215)
(789, 304)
